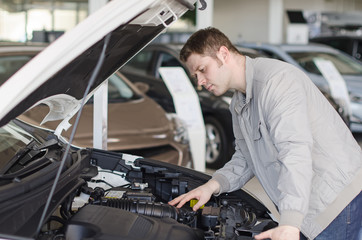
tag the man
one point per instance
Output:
(287, 135)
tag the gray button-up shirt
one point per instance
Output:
(290, 137)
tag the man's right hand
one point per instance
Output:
(202, 194)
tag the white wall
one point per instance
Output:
(250, 18)
(244, 19)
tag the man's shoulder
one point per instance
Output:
(268, 69)
(270, 63)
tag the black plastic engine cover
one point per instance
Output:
(100, 222)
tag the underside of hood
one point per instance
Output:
(60, 74)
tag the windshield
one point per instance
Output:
(12, 139)
(118, 89)
(344, 64)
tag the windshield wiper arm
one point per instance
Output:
(37, 164)
(18, 155)
(25, 155)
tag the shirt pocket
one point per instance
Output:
(266, 150)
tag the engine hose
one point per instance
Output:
(141, 207)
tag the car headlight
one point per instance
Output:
(180, 129)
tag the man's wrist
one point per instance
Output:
(214, 186)
(223, 182)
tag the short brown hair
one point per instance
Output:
(206, 41)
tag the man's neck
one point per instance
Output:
(239, 79)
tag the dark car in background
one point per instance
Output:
(215, 109)
(350, 44)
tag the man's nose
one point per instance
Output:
(200, 80)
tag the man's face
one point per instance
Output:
(209, 73)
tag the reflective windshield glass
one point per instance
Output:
(140, 63)
(118, 89)
(344, 64)
(12, 139)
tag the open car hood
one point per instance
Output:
(60, 74)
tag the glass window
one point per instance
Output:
(251, 55)
(270, 54)
(344, 64)
(118, 89)
(141, 63)
(12, 139)
(10, 64)
(167, 60)
(344, 45)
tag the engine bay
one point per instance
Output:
(128, 199)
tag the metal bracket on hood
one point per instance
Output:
(192, 7)
(203, 5)
(130, 159)
(187, 4)
(164, 22)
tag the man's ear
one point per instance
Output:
(224, 53)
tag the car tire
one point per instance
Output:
(217, 151)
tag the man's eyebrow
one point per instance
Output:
(194, 75)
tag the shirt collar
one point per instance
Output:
(242, 98)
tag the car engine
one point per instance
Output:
(128, 200)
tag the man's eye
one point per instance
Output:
(202, 70)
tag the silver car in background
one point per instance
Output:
(304, 56)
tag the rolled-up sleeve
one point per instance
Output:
(234, 174)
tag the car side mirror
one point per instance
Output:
(143, 87)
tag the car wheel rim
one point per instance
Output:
(213, 143)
